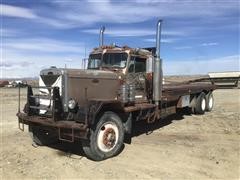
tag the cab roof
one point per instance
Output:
(126, 49)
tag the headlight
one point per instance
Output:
(72, 104)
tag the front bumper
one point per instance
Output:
(71, 129)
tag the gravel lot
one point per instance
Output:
(179, 147)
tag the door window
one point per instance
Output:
(137, 65)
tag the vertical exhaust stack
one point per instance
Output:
(101, 36)
(157, 76)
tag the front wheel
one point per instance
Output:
(42, 136)
(106, 138)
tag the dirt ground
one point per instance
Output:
(179, 147)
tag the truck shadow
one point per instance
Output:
(142, 127)
(68, 149)
(75, 151)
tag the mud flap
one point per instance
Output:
(128, 125)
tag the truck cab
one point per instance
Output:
(133, 67)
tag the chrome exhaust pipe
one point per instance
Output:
(101, 36)
(157, 75)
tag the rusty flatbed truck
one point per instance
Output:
(98, 105)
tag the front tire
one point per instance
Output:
(42, 136)
(106, 138)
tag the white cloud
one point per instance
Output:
(163, 40)
(86, 13)
(136, 32)
(26, 57)
(43, 45)
(14, 11)
(57, 23)
(22, 12)
(191, 67)
(22, 64)
(209, 44)
(183, 47)
(203, 44)
(8, 32)
(19, 64)
(77, 15)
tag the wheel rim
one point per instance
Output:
(210, 103)
(107, 137)
(203, 104)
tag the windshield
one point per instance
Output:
(117, 60)
(94, 61)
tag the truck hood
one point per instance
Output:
(50, 75)
(99, 74)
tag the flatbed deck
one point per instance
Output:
(174, 91)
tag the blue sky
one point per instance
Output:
(197, 36)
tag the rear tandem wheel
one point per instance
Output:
(201, 103)
(209, 101)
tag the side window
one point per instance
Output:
(137, 64)
(94, 61)
(140, 65)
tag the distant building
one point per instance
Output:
(13, 84)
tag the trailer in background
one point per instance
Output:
(225, 79)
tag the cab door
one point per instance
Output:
(137, 76)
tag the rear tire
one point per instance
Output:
(106, 138)
(42, 136)
(200, 106)
(210, 102)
